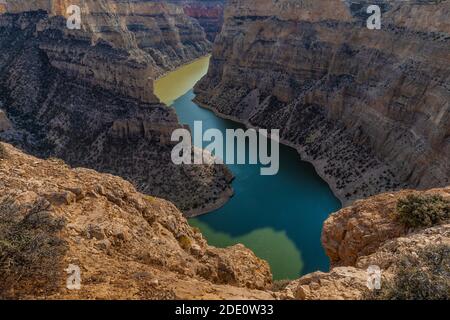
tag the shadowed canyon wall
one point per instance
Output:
(157, 36)
(370, 108)
(209, 14)
(86, 95)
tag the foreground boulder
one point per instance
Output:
(413, 262)
(126, 245)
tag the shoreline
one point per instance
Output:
(303, 157)
(225, 195)
(212, 206)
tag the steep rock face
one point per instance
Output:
(362, 228)
(127, 245)
(61, 107)
(209, 13)
(155, 36)
(367, 234)
(370, 108)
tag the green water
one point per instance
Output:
(279, 217)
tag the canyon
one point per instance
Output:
(85, 172)
(86, 96)
(209, 13)
(369, 108)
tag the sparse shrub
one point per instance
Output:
(31, 250)
(279, 285)
(425, 276)
(185, 242)
(416, 211)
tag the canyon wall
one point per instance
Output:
(209, 13)
(87, 98)
(369, 108)
(155, 37)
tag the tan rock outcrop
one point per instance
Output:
(362, 228)
(343, 283)
(127, 245)
(364, 235)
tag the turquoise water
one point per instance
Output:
(279, 217)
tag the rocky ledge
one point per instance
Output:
(126, 244)
(413, 261)
(134, 246)
(369, 108)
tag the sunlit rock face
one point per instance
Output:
(370, 108)
(126, 244)
(86, 95)
(157, 36)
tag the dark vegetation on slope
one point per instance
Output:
(416, 211)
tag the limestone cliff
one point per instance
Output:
(156, 36)
(69, 97)
(209, 13)
(369, 108)
(127, 245)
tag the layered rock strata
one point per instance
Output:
(155, 36)
(91, 104)
(209, 13)
(369, 108)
